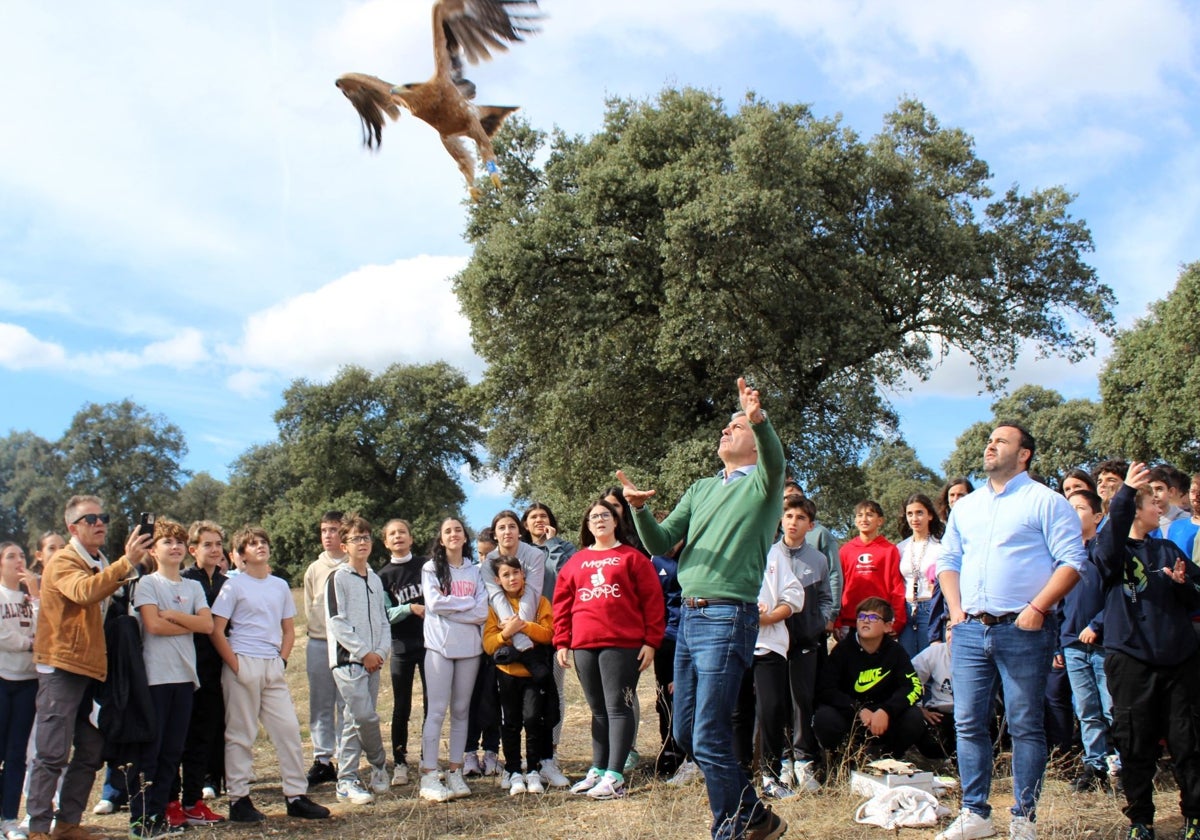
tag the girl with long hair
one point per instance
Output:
(921, 529)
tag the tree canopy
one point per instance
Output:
(1063, 430)
(618, 289)
(1150, 386)
(387, 444)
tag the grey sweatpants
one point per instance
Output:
(360, 720)
(325, 706)
(450, 683)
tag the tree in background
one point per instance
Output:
(1150, 386)
(1064, 431)
(32, 488)
(389, 444)
(617, 290)
(200, 498)
(891, 473)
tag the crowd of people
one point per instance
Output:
(777, 656)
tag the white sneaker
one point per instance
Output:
(456, 783)
(687, 773)
(504, 780)
(209, 792)
(787, 771)
(104, 806)
(553, 776)
(968, 826)
(433, 789)
(607, 788)
(806, 780)
(400, 774)
(491, 763)
(533, 782)
(355, 792)
(379, 780)
(13, 831)
(471, 766)
(587, 782)
(1022, 829)
(516, 785)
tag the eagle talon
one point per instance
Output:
(496, 179)
(476, 194)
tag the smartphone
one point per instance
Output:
(146, 525)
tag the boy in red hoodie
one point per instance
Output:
(870, 568)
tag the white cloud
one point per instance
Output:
(374, 316)
(21, 350)
(248, 383)
(493, 486)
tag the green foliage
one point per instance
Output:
(200, 498)
(1062, 429)
(618, 290)
(892, 472)
(389, 444)
(1150, 386)
(32, 490)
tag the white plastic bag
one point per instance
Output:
(900, 807)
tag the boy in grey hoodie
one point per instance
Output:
(359, 639)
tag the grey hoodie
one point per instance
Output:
(355, 616)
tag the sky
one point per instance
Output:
(188, 218)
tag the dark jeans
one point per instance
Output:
(833, 726)
(205, 732)
(670, 756)
(525, 705)
(714, 649)
(938, 740)
(1151, 703)
(1060, 712)
(18, 700)
(64, 701)
(404, 668)
(765, 700)
(158, 762)
(609, 678)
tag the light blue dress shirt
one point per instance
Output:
(1006, 545)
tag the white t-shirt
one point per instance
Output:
(255, 608)
(169, 659)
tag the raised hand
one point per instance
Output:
(636, 498)
(751, 404)
(1138, 475)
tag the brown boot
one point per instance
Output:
(75, 831)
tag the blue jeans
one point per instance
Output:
(1020, 659)
(914, 638)
(714, 648)
(1093, 705)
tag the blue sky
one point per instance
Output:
(187, 217)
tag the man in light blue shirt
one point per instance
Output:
(1012, 550)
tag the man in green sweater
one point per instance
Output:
(728, 522)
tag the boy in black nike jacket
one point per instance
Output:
(870, 679)
(1153, 660)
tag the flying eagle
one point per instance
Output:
(470, 29)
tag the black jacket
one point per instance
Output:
(854, 679)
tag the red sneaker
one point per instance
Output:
(200, 814)
(175, 817)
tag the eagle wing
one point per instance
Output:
(372, 98)
(474, 29)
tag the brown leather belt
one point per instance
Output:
(989, 620)
(701, 603)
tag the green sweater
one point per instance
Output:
(729, 528)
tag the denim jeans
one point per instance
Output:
(1093, 705)
(1020, 659)
(714, 648)
(914, 638)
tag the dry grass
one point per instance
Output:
(652, 810)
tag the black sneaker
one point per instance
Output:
(1089, 780)
(1138, 831)
(306, 809)
(320, 772)
(243, 811)
(768, 826)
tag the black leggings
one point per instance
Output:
(405, 666)
(609, 679)
(764, 699)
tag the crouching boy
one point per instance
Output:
(869, 678)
